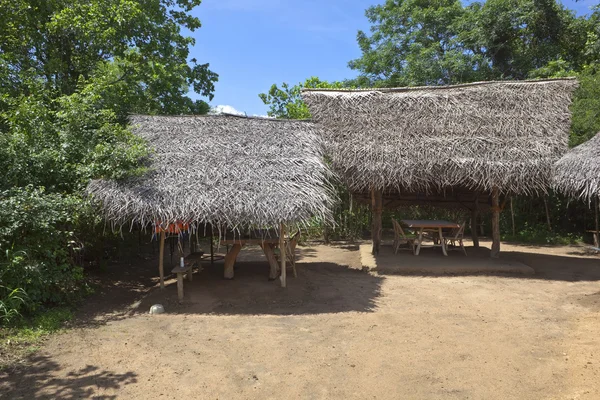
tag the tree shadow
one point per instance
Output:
(38, 381)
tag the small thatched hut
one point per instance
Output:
(222, 170)
(446, 145)
(577, 175)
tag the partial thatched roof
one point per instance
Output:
(222, 170)
(477, 136)
(577, 173)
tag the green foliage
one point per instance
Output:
(70, 73)
(415, 42)
(286, 102)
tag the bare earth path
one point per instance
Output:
(336, 332)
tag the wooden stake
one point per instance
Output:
(377, 206)
(495, 253)
(282, 255)
(161, 256)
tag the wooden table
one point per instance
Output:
(430, 226)
(267, 244)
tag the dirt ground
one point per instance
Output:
(335, 332)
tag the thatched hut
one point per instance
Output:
(577, 175)
(459, 145)
(226, 171)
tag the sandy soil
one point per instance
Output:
(336, 332)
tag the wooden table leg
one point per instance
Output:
(273, 272)
(420, 240)
(230, 260)
(442, 242)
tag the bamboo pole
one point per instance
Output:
(161, 256)
(495, 253)
(282, 255)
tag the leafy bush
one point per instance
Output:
(36, 241)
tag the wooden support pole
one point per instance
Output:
(597, 235)
(161, 256)
(547, 214)
(230, 258)
(512, 217)
(282, 255)
(495, 253)
(377, 208)
(474, 223)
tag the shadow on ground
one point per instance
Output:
(330, 280)
(39, 381)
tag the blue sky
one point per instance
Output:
(252, 44)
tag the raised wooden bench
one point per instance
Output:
(189, 263)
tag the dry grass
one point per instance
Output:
(479, 136)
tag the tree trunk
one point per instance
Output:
(377, 206)
(495, 253)
(474, 233)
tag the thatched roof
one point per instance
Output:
(222, 170)
(577, 173)
(476, 136)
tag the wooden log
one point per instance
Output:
(161, 256)
(230, 258)
(282, 257)
(270, 254)
(495, 253)
(377, 208)
(180, 287)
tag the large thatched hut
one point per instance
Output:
(577, 175)
(462, 145)
(225, 171)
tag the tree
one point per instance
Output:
(431, 42)
(70, 73)
(286, 102)
(63, 41)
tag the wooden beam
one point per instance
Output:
(495, 253)
(161, 256)
(377, 208)
(282, 256)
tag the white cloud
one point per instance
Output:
(226, 109)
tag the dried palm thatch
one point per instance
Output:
(223, 170)
(428, 139)
(577, 173)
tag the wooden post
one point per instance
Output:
(180, 287)
(495, 253)
(282, 249)
(547, 214)
(377, 206)
(597, 235)
(512, 217)
(161, 256)
(474, 217)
